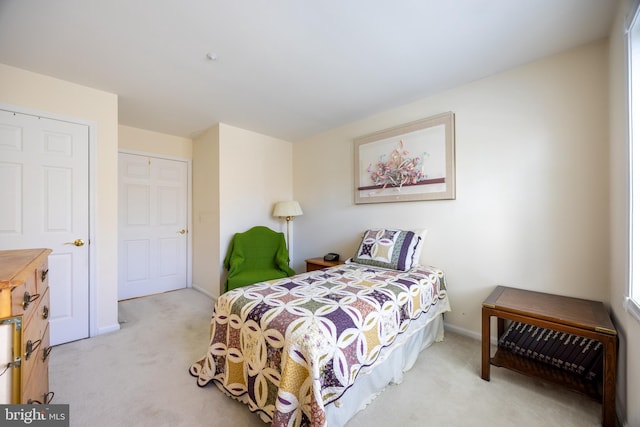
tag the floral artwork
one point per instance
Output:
(397, 169)
(411, 162)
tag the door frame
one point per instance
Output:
(189, 200)
(93, 281)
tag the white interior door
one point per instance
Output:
(44, 171)
(152, 225)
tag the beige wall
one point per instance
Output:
(628, 327)
(255, 172)
(532, 185)
(147, 141)
(206, 212)
(35, 91)
(238, 175)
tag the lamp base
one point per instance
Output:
(288, 221)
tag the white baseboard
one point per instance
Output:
(204, 291)
(107, 329)
(467, 333)
(461, 331)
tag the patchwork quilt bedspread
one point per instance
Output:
(288, 347)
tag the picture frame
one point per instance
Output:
(411, 162)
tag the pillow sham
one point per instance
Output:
(388, 248)
(422, 234)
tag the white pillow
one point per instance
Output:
(422, 233)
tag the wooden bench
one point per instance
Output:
(576, 316)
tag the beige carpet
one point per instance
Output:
(139, 376)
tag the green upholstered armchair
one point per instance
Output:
(256, 255)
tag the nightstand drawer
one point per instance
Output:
(319, 263)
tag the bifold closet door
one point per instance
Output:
(152, 237)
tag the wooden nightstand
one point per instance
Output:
(319, 263)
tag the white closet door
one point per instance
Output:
(152, 251)
(44, 171)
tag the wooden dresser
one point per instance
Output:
(24, 306)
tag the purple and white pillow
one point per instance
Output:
(389, 248)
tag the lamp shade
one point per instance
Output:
(287, 209)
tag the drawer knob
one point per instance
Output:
(45, 312)
(43, 275)
(30, 347)
(28, 299)
(47, 398)
(45, 353)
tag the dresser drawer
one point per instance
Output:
(35, 337)
(35, 388)
(42, 276)
(24, 298)
(5, 302)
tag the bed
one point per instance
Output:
(315, 348)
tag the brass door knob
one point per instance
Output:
(183, 231)
(77, 242)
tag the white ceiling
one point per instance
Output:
(285, 68)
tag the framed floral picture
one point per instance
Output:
(415, 161)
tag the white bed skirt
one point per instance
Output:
(389, 369)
